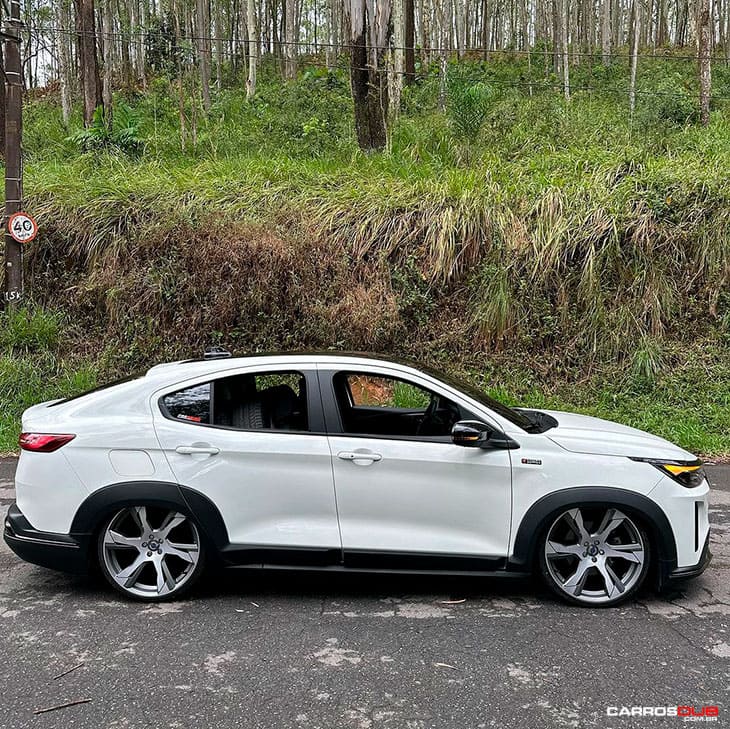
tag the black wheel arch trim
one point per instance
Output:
(550, 505)
(106, 500)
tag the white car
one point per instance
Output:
(347, 462)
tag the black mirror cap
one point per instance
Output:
(475, 434)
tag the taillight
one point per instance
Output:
(44, 442)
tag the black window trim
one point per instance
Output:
(315, 413)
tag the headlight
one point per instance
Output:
(688, 473)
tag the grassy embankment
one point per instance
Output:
(563, 258)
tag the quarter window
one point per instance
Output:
(261, 401)
(191, 404)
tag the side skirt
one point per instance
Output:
(340, 569)
(333, 560)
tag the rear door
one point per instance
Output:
(407, 496)
(254, 443)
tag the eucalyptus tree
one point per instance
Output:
(368, 24)
(93, 47)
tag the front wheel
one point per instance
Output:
(150, 553)
(595, 556)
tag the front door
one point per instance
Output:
(254, 443)
(407, 497)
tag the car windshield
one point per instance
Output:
(514, 416)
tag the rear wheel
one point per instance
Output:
(150, 553)
(594, 555)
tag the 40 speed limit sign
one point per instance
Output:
(22, 227)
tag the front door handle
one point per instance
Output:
(194, 450)
(359, 456)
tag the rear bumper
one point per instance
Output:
(64, 552)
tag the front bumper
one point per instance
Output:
(695, 570)
(64, 552)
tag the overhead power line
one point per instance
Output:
(534, 84)
(657, 54)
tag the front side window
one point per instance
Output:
(260, 401)
(380, 405)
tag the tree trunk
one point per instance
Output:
(218, 44)
(410, 40)
(108, 58)
(634, 55)
(557, 36)
(253, 48)
(125, 42)
(399, 65)
(63, 18)
(704, 43)
(88, 62)
(459, 22)
(368, 33)
(291, 38)
(203, 32)
(525, 25)
(180, 80)
(486, 28)
(662, 32)
(2, 103)
(606, 32)
(332, 34)
(138, 42)
(564, 43)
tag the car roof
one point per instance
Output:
(192, 367)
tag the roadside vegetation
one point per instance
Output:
(558, 254)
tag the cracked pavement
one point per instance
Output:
(286, 649)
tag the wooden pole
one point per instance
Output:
(13, 158)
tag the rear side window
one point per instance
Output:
(260, 401)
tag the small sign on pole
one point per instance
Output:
(22, 227)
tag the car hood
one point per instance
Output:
(585, 434)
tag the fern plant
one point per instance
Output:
(468, 108)
(121, 136)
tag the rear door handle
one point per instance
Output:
(359, 456)
(197, 450)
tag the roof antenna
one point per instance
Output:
(216, 352)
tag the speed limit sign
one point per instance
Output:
(22, 227)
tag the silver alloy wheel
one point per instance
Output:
(595, 555)
(150, 561)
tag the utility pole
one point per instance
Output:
(13, 154)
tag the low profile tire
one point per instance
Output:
(595, 556)
(150, 553)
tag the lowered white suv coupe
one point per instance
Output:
(347, 462)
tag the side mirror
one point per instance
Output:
(474, 434)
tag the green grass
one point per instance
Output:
(689, 405)
(32, 370)
(575, 258)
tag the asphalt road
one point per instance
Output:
(287, 650)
